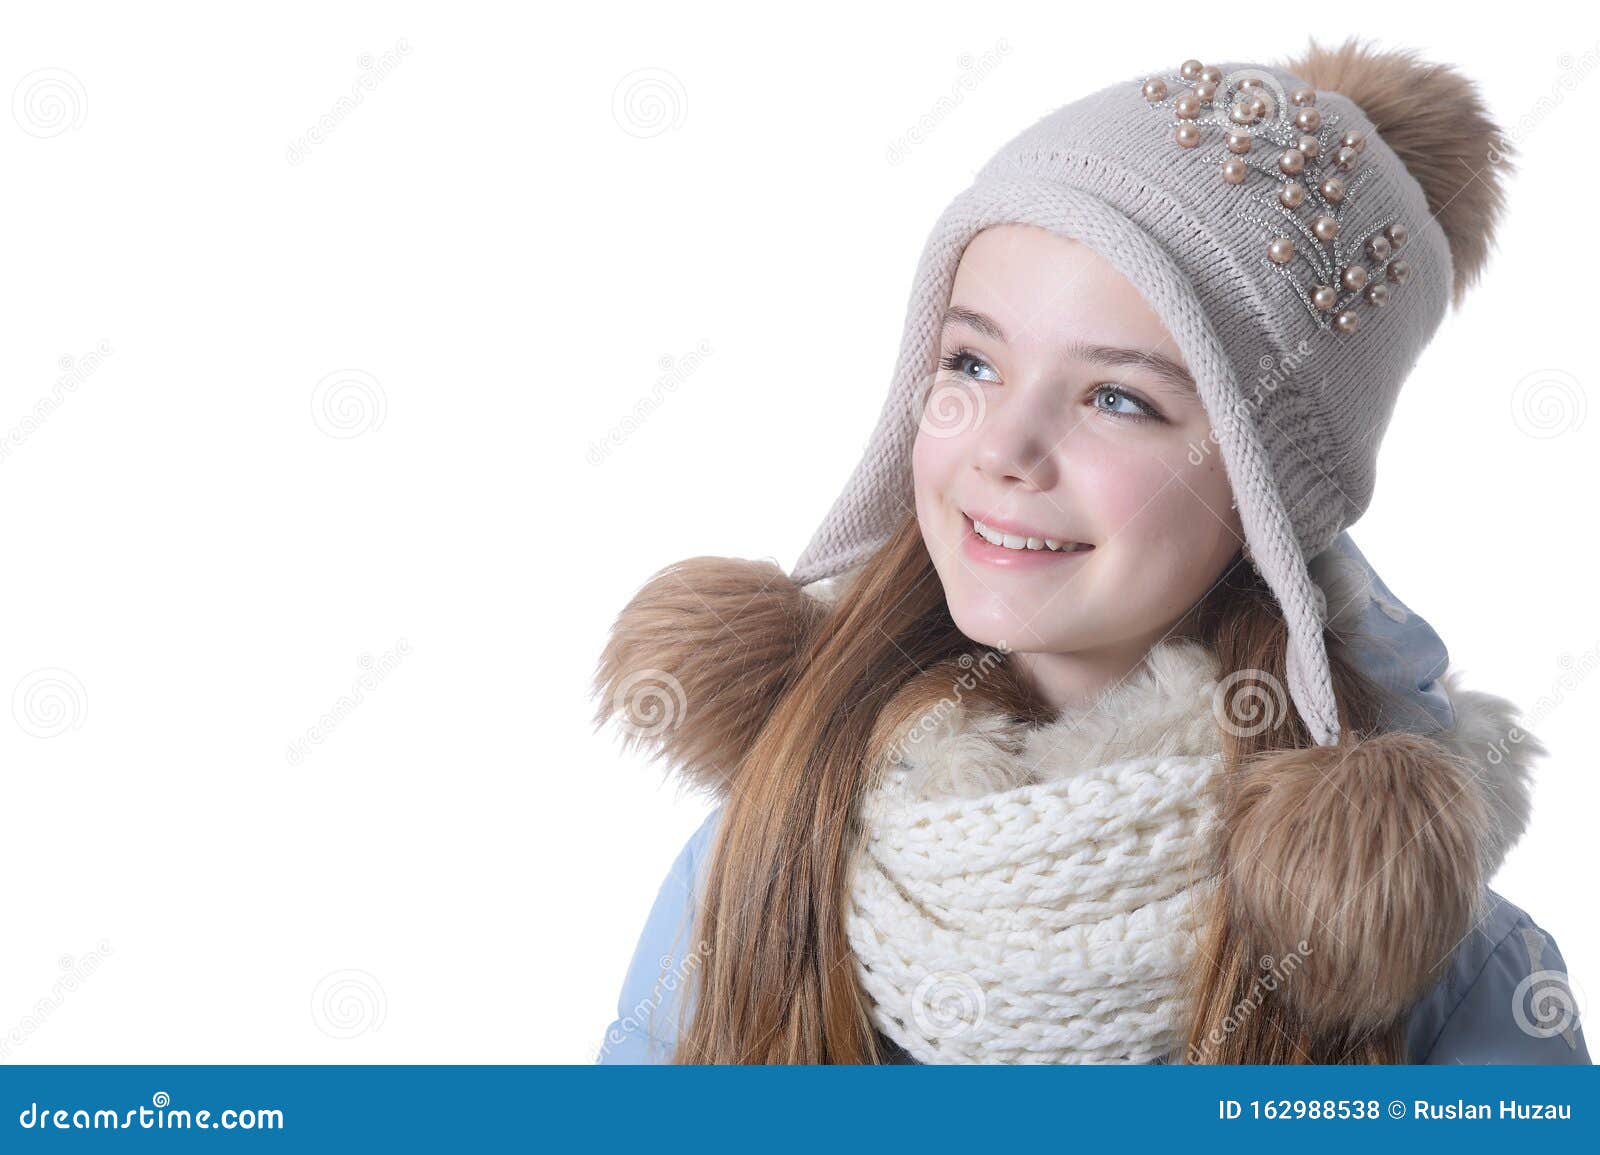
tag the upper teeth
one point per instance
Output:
(1017, 541)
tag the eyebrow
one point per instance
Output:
(1164, 367)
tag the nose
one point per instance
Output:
(1016, 445)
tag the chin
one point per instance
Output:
(992, 628)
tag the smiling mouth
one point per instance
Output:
(1021, 543)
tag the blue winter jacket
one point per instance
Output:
(1485, 1008)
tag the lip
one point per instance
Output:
(1008, 526)
(977, 549)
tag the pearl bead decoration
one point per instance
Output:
(1307, 167)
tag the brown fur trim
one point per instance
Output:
(697, 660)
(1372, 854)
(1437, 123)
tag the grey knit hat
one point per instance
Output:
(1288, 250)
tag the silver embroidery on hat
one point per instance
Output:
(1248, 124)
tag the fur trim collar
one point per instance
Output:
(1164, 708)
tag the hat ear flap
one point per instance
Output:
(1365, 859)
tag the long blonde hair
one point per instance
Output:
(778, 984)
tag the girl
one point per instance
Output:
(1081, 732)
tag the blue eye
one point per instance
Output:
(1123, 402)
(962, 360)
(1141, 411)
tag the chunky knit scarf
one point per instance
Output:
(1030, 894)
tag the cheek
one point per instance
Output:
(1119, 485)
(1139, 494)
(934, 465)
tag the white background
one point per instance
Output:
(512, 253)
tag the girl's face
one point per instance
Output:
(1063, 411)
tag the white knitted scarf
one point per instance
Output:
(1030, 894)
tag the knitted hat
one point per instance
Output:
(1299, 229)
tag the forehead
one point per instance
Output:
(1046, 288)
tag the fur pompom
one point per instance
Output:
(1370, 853)
(699, 657)
(1437, 123)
